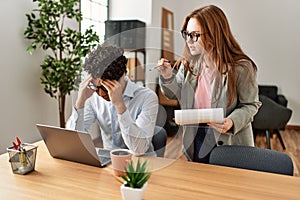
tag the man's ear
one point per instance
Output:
(122, 79)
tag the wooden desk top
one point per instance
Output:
(175, 179)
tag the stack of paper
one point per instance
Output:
(195, 116)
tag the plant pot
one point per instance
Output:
(129, 193)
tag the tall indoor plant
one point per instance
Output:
(65, 46)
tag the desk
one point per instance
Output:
(60, 179)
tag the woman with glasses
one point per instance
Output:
(124, 111)
(213, 72)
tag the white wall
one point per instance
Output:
(267, 30)
(125, 10)
(23, 101)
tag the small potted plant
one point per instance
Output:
(135, 180)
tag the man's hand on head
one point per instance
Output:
(115, 91)
(84, 93)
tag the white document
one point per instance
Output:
(195, 116)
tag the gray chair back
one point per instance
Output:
(159, 141)
(271, 115)
(252, 158)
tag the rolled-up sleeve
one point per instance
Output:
(76, 119)
(81, 119)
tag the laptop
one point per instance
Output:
(73, 145)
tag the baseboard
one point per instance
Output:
(295, 127)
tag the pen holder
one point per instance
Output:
(22, 161)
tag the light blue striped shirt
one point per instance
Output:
(135, 127)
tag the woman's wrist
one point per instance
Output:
(167, 79)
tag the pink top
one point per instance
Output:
(203, 90)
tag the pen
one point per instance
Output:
(19, 142)
(15, 146)
(23, 161)
(153, 68)
(22, 151)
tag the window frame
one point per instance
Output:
(88, 18)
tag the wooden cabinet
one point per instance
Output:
(136, 65)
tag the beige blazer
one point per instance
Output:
(182, 87)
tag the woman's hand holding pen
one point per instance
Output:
(165, 68)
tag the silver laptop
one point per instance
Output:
(73, 146)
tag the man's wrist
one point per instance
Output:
(120, 108)
(78, 106)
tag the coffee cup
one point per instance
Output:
(119, 160)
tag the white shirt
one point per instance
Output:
(134, 127)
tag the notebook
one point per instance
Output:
(73, 146)
(196, 116)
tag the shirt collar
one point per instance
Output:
(130, 88)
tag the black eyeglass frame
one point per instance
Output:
(194, 35)
(93, 87)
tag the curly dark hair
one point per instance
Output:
(106, 62)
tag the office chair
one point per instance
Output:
(159, 141)
(271, 117)
(271, 91)
(252, 158)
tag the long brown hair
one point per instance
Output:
(220, 45)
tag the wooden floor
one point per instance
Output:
(290, 136)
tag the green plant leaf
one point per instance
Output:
(65, 46)
(136, 176)
(143, 180)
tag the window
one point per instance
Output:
(94, 12)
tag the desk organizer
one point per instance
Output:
(22, 161)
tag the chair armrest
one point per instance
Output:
(271, 115)
(282, 100)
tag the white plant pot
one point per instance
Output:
(129, 193)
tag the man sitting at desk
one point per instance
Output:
(125, 112)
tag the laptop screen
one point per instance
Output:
(71, 145)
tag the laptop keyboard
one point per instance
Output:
(104, 156)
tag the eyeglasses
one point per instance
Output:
(96, 87)
(194, 35)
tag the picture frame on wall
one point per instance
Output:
(167, 32)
